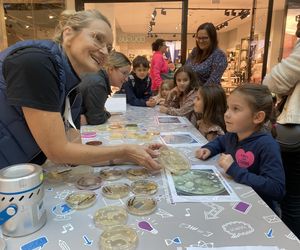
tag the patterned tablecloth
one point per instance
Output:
(248, 222)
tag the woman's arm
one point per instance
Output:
(48, 130)
(286, 74)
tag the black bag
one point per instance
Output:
(288, 137)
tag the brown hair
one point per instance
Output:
(198, 55)
(259, 98)
(77, 21)
(140, 61)
(157, 44)
(194, 83)
(214, 104)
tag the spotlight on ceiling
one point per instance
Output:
(244, 14)
(154, 13)
(163, 12)
(226, 13)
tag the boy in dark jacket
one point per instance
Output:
(138, 87)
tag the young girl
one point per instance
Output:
(210, 104)
(164, 89)
(180, 100)
(249, 154)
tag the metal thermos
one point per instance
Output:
(22, 210)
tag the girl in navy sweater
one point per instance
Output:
(248, 153)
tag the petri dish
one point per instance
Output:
(94, 143)
(116, 191)
(141, 205)
(131, 126)
(173, 160)
(89, 182)
(81, 199)
(199, 182)
(137, 173)
(111, 174)
(110, 216)
(2, 244)
(89, 134)
(118, 238)
(144, 187)
(115, 126)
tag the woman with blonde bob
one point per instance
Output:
(38, 98)
(96, 87)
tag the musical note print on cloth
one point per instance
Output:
(67, 227)
(187, 212)
(237, 229)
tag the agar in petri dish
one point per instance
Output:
(141, 205)
(81, 199)
(110, 216)
(144, 187)
(116, 191)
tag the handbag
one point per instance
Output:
(288, 137)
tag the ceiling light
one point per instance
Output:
(226, 13)
(51, 17)
(163, 12)
(27, 26)
(154, 13)
(29, 17)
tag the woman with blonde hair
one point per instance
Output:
(96, 87)
(38, 99)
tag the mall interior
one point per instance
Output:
(254, 34)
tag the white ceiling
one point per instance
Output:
(135, 17)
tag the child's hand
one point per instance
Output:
(163, 109)
(202, 153)
(225, 161)
(151, 102)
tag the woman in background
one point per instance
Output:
(159, 65)
(206, 59)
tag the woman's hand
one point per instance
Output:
(202, 153)
(142, 155)
(225, 161)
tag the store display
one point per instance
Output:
(173, 160)
(118, 238)
(141, 205)
(81, 199)
(144, 187)
(116, 191)
(110, 216)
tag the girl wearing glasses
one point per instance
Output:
(96, 87)
(206, 59)
(38, 98)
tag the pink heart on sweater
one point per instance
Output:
(244, 159)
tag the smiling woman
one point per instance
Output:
(39, 99)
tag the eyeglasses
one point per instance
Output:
(203, 38)
(125, 74)
(297, 18)
(100, 41)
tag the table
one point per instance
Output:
(178, 225)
